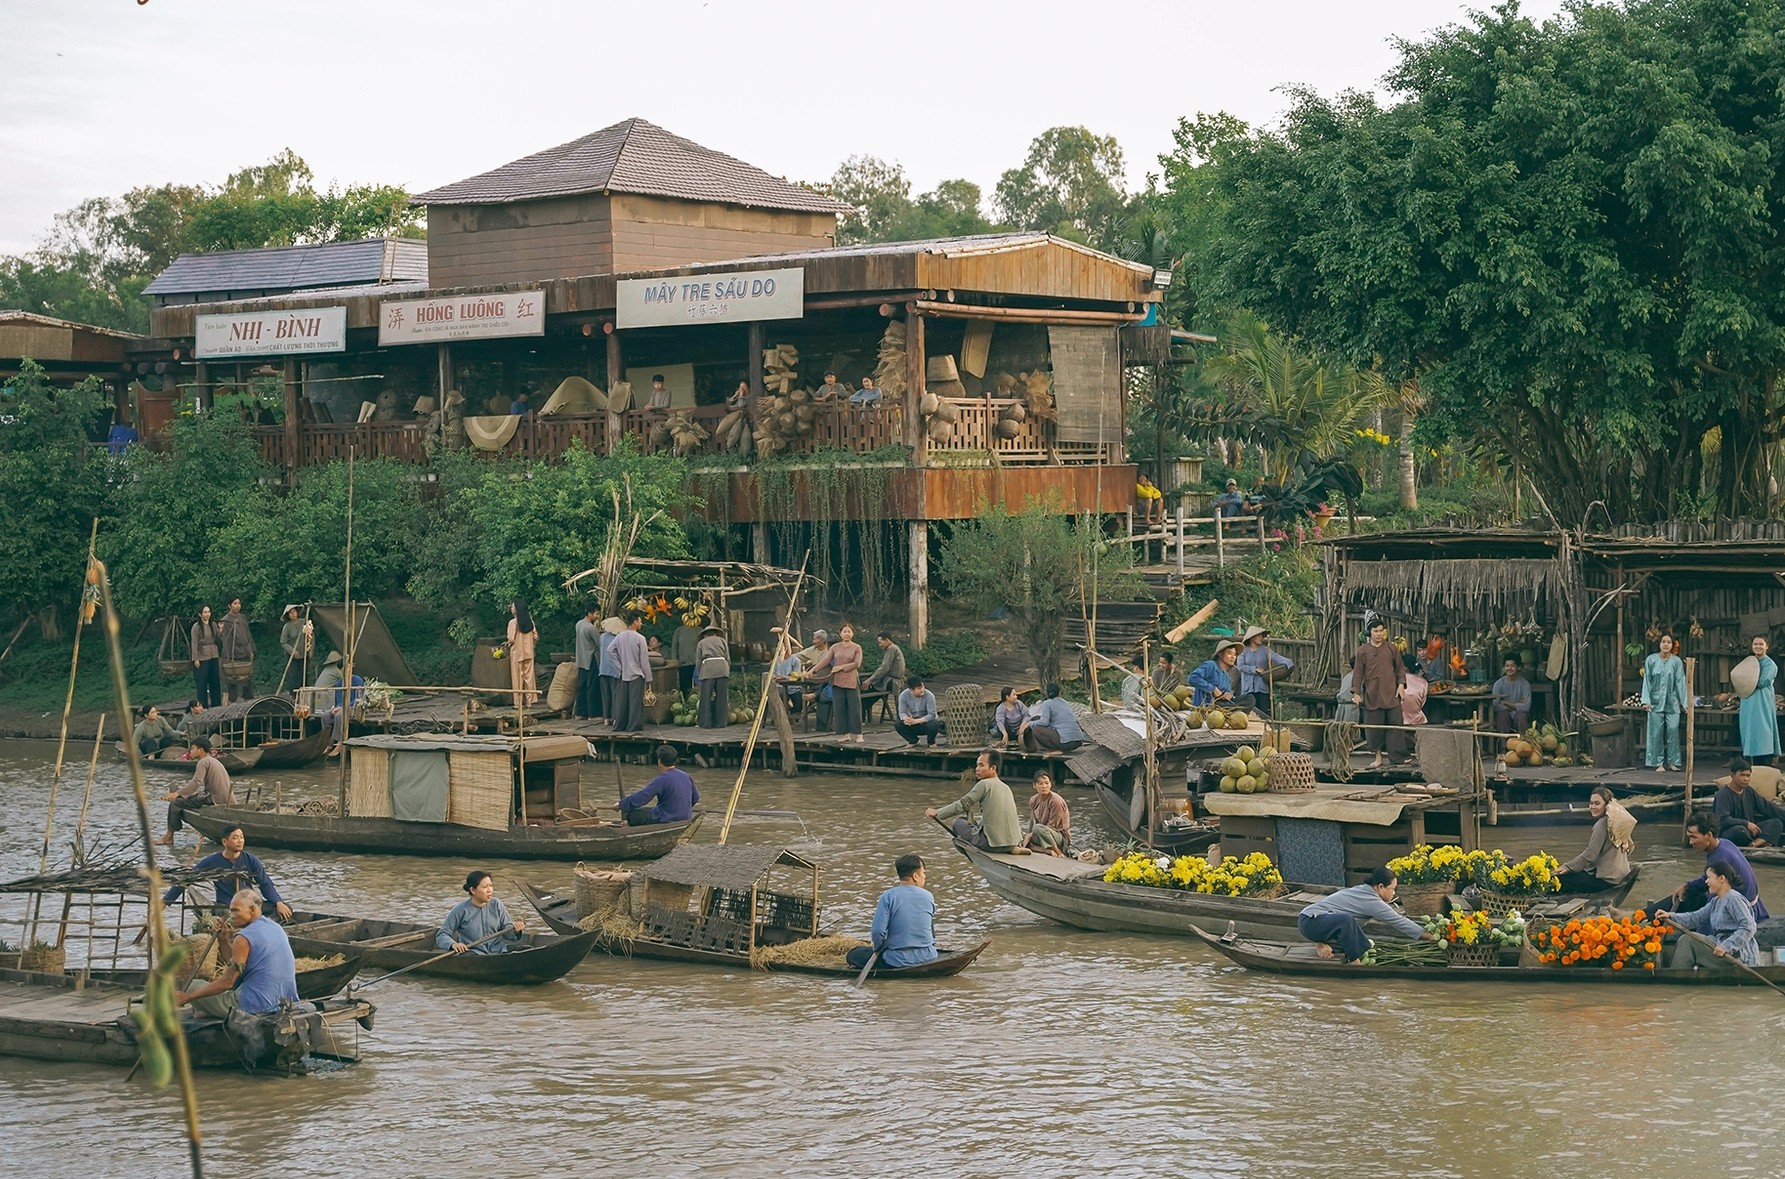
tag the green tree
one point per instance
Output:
(298, 540)
(1038, 565)
(171, 504)
(537, 528)
(880, 193)
(1569, 234)
(53, 487)
(1070, 183)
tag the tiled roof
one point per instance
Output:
(295, 268)
(633, 156)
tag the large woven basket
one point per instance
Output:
(1423, 900)
(1488, 955)
(1501, 904)
(1291, 773)
(238, 669)
(43, 959)
(174, 668)
(598, 891)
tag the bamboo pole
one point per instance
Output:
(768, 685)
(1691, 742)
(80, 827)
(347, 669)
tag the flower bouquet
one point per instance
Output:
(1254, 876)
(1427, 875)
(1614, 943)
(1476, 938)
(1506, 886)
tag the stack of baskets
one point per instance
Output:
(599, 891)
(1292, 773)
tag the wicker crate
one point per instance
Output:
(1488, 955)
(1501, 904)
(1291, 773)
(1423, 900)
(598, 891)
(43, 959)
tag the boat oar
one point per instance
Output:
(440, 957)
(868, 969)
(1732, 958)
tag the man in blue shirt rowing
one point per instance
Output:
(904, 930)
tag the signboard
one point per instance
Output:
(272, 333)
(736, 297)
(461, 317)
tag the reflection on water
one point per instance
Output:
(1058, 1053)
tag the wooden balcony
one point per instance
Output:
(835, 426)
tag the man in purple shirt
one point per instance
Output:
(672, 790)
(1701, 833)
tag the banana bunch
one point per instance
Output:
(158, 1019)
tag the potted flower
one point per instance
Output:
(1506, 886)
(1322, 515)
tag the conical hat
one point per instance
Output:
(1745, 676)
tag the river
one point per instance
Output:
(1058, 1053)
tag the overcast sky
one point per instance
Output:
(106, 95)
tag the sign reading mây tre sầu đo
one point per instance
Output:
(733, 297)
(461, 317)
(271, 333)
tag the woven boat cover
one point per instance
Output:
(720, 865)
(574, 395)
(491, 432)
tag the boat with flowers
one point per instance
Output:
(1641, 967)
(1169, 897)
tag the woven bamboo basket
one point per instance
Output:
(1424, 900)
(598, 891)
(238, 669)
(674, 897)
(368, 784)
(1291, 773)
(1500, 904)
(1528, 955)
(480, 790)
(43, 959)
(1272, 893)
(174, 668)
(1488, 955)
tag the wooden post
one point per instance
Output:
(918, 604)
(1691, 740)
(758, 344)
(1619, 661)
(759, 543)
(1220, 545)
(443, 369)
(201, 392)
(1180, 540)
(616, 372)
(1260, 533)
(914, 384)
(293, 419)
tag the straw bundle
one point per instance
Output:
(687, 433)
(615, 925)
(889, 371)
(811, 951)
(1038, 389)
(780, 367)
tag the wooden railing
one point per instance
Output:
(837, 425)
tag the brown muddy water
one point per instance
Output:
(1059, 1053)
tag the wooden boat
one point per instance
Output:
(236, 761)
(1550, 813)
(1300, 958)
(1075, 894)
(318, 982)
(1765, 855)
(294, 754)
(52, 1017)
(1174, 841)
(559, 912)
(391, 945)
(397, 837)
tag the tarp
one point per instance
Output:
(376, 655)
(1327, 803)
(420, 787)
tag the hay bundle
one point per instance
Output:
(889, 370)
(614, 924)
(780, 367)
(811, 951)
(684, 431)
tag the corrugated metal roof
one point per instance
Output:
(49, 321)
(633, 156)
(295, 268)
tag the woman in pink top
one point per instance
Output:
(845, 662)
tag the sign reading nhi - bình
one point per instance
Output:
(271, 333)
(461, 317)
(735, 297)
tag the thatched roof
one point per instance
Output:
(129, 879)
(1408, 586)
(720, 866)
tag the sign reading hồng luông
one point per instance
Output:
(271, 333)
(734, 297)
(461, 317)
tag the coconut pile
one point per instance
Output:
(1542, 745)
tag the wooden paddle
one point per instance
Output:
(868, 969)
(1732, 958)
(443, 955)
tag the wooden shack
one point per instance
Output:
(1337, 834)
(487, 782)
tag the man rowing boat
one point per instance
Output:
(904, 929)
(246, 865)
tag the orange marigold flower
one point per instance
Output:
(1648, 966)
(1617, 965)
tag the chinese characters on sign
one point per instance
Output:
(462, 317)
(272, 333)
(737, 297)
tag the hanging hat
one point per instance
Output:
(1745, 677)
(333, 657)
(612, 625)
(1253, 632)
